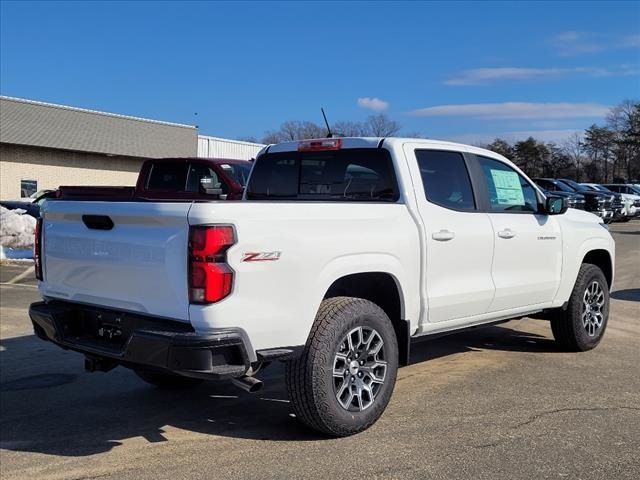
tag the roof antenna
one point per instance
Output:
(329, 133)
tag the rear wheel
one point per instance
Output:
(342, 382)
(167, 380)
(581, 326)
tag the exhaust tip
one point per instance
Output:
(248, 384)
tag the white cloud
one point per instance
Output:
(515, 110)
(484, 76)
(577, 43)
(631, 41)
(374, 104)
(556, 136)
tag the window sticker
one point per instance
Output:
(226, 166)
(508, 188)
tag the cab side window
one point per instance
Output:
(508, 191)
(446, 179)
(197, 172)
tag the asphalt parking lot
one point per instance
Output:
(500, 402)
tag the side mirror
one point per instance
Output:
(207, 185)
(556, 205)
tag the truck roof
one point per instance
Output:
(375, 142)
(217, 161)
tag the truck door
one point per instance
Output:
(527, 260)
(459, 238)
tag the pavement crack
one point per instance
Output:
(573, 409)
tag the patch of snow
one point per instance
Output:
(16, 230)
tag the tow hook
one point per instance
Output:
(99, 364)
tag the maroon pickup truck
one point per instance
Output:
(175, 179)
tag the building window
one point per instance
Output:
(28, 188)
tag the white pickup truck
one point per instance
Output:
(343, 251)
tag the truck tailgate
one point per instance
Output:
(139, 264)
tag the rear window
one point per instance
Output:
(182, 177)
(239, 171)
(168, 176)
(364, 175)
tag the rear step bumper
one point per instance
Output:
(138, 341)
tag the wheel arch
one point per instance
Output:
(597, 251)
(383, 289)
(601, 258)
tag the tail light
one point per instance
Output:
(37, 249)
(210, 278)
(320, 144)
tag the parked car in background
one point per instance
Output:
(595, 202)
(193, 178)
(629, 188)
(174, 179)
(574, 200)
(631, 202)
(31, 205)
(616, 204)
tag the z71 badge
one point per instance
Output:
(261, 256)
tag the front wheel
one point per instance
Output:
(581, 326)
(342, 382)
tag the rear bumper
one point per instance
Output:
(139, 341)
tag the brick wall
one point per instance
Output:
(52, 168)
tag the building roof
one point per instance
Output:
(27, 122)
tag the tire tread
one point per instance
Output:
(307, 407)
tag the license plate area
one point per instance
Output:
(104, 330)
(107, 330)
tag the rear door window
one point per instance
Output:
(446, 179)
(349, 175)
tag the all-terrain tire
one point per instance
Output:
(568, 326)
(167, 381)
(310, 377)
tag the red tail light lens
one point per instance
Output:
(320, 144)
(209, 242)
(210, 278)
(37, 249)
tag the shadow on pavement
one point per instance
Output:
(630, 294)
(482, 338)
(49, 405)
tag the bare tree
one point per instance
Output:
(381, 126)
(599, 143)
(573, 147)
(624, 152)
(348, 129)
(297, 130)
(294, 130)
(375, 126)
(272, 137)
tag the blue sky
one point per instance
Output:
(463, 71)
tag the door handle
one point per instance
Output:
(443, 235)
(506, 233)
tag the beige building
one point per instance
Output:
(43, 146)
